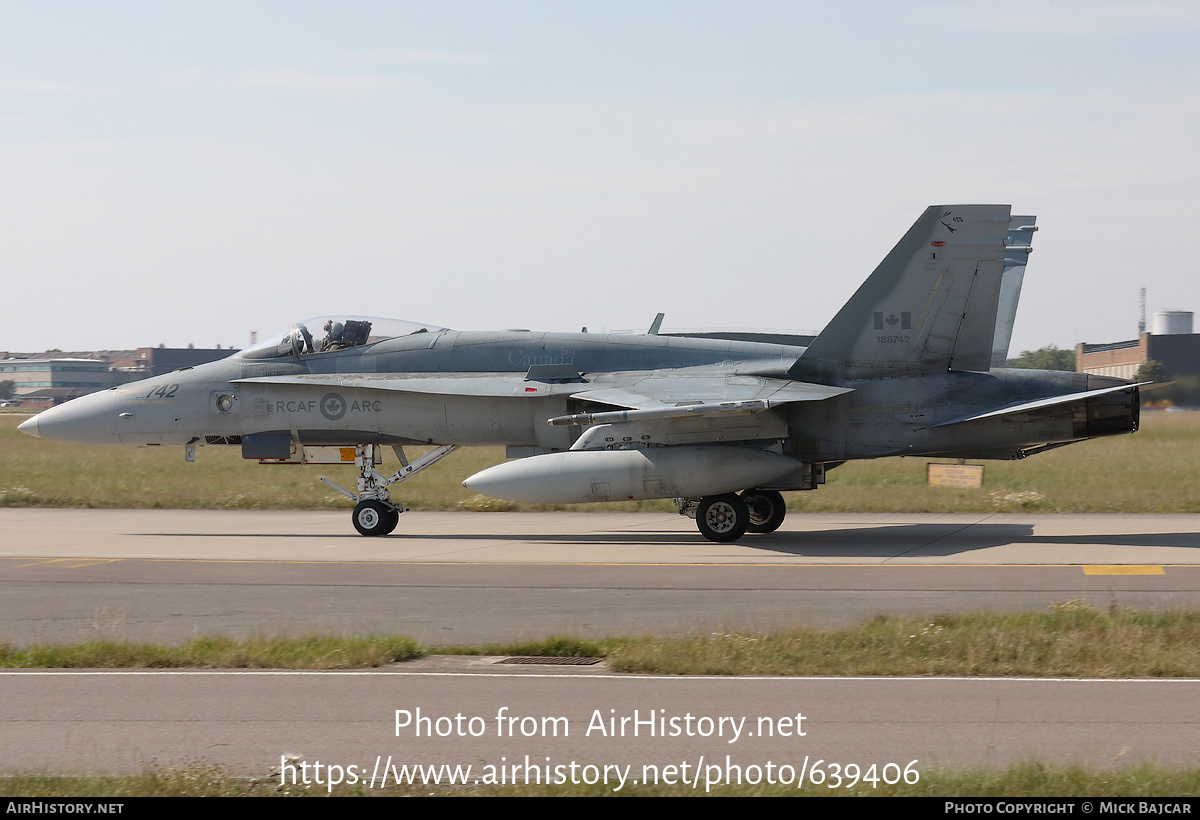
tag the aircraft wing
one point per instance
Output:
(660, 407)
(641, 391)
(453, 384)
(634, 390)
(680, 407)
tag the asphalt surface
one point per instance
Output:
(455, 578)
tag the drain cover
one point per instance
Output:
(546, 659)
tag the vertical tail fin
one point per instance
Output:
(930, 306)
(1016, 255)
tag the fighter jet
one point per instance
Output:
(721, 424)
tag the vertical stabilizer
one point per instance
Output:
(1016, 256)
(930, 306)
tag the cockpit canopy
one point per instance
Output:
(324, 334)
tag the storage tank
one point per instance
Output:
(1172, 322)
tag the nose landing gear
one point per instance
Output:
(375, 513)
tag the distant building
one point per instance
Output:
(76, 376)
(155, 361)
(42, 380)
(1179, 354)
(45, 397)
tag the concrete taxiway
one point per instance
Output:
(641, 538)
(448, 578)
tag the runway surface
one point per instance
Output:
(641, 538)
(447, 578)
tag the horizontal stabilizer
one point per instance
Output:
(1029, 406)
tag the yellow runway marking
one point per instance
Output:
(1089, 569)
(86, 562)
(1123, 569)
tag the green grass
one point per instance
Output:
(1154, 470)
(310, 652)
(1069, 640)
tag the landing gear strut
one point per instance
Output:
(375, 513)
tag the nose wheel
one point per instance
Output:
(373, 517)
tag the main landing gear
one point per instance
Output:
(767, 510)
(375, 513)
(726, 518)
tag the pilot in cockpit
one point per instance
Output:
(334, 335)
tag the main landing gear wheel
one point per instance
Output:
(722, 518)
(373, 517)
(767, 510)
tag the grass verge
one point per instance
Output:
(1070, 640)
(310, 652)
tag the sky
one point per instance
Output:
(187, 172)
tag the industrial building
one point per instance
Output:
(44, 380)
(1171, 343)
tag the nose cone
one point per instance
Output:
(85, 420)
